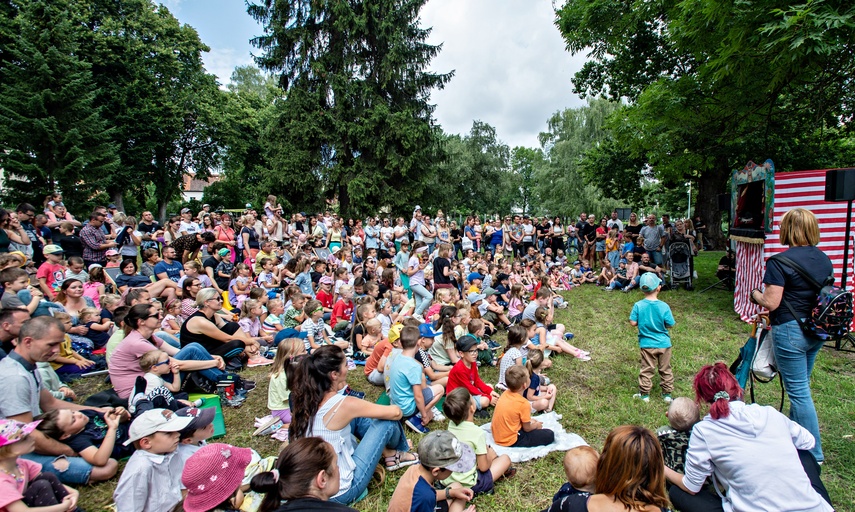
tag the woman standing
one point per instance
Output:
(225, 233)
(335, 235)
(249, 238)
(633, 227)
(739, 445)
(557, 236)
(795, 352)
(444, 233)
(456, 241)
(128, 238)
(416, 272)
(319, 410)
(429, 233)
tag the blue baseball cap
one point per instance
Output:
(426, 331)
(649, 282)
(473, 276)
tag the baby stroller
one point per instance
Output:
(680, 263)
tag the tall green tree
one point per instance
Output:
(713, 83)
(153, 88)
(52, 133)
(525, 163)
(355, 124)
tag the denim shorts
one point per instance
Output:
(78, 469)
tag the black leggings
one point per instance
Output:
(708, 501)
(45, 490)
(539, 437)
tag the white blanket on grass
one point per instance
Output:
(563, 440)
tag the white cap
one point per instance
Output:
(156, 420)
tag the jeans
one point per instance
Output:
(196, 352)
(374, 435)
(458, 248)
(77, 473)
(795, 355)
(423, 297)
(656, 256)
(168, 339)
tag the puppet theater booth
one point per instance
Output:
(759, 199)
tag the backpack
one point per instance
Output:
(831, 316)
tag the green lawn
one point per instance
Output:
(595, 396)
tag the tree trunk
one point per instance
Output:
(119, 201)
(710, 185)
(343, 201)
(161, 212)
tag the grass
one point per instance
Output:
(596, 396)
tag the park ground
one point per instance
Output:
(596, 396)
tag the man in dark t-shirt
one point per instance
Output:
(148, 227)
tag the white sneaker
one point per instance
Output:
(420, 318)
(437, 414)
(643, 398)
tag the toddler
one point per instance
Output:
(273, 321)
(373, 335)
(97, 332)
(69, 362)
(542, 396)
(653, 319)
(580, 468)
(172, 320)
(682, 415)
(96, 286)
(278, 393)
(76, 269)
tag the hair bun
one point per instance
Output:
(265, 482)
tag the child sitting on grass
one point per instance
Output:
(513, 353)
(69, 362)
(278, 392)
(23, 485)
(465, 374)
(315, 328)
(653, 319)
(440, 455)
(542, 397)
(682, 415)
(459, 408)
(376, 362)
(408, 388)
(512, 421)
(154, 466)
(194, 436)
(580, 467)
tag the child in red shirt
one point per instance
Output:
(343, 309)
(465, 374)
(52, 271)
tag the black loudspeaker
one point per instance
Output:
(724, 202)
(840, 185)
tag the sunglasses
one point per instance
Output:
(160, 363)
(158, 315)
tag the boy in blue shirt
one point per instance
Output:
(653, 319)
(408, 388)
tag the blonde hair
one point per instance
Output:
(88, 312)
(799, 228)
(287, 349)
(248, 306)
(442, 295)
(373, 324)
(683, 413)
(149, 359)
(108, 299)
(580, 466)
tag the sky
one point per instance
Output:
(510, 66)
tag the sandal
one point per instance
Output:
(395, 462)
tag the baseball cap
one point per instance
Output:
(12, 431)
(248, 206)
(224, 252)
(335, 250)
(212, 474)
(622, 260)
(326, 280)
(206, 205)
(111, 206)
(473, 276)
(426, 331)
(395, 332)
(475, 297)
(464, 343)
(417, 208)
(577, 262)
(156, 420)
(112, 252)
(185, 210)
(199, 418)
(52, 249)
(649, 282)
(490, 291)
(441, 449)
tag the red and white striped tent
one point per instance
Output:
(799, 189)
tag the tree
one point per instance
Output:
(355, 124)
(150, 81)
(525, 163)
(712, 84)
(560, 184)
(53, 135)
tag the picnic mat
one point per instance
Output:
(213, 401)
(563, 440)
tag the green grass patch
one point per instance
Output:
(596, 396)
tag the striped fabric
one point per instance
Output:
(800, 189)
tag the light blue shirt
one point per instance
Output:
(654, 318)
(404, 373)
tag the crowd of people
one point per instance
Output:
(188, 305)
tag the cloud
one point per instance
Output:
(222, 61)
(510, 66)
